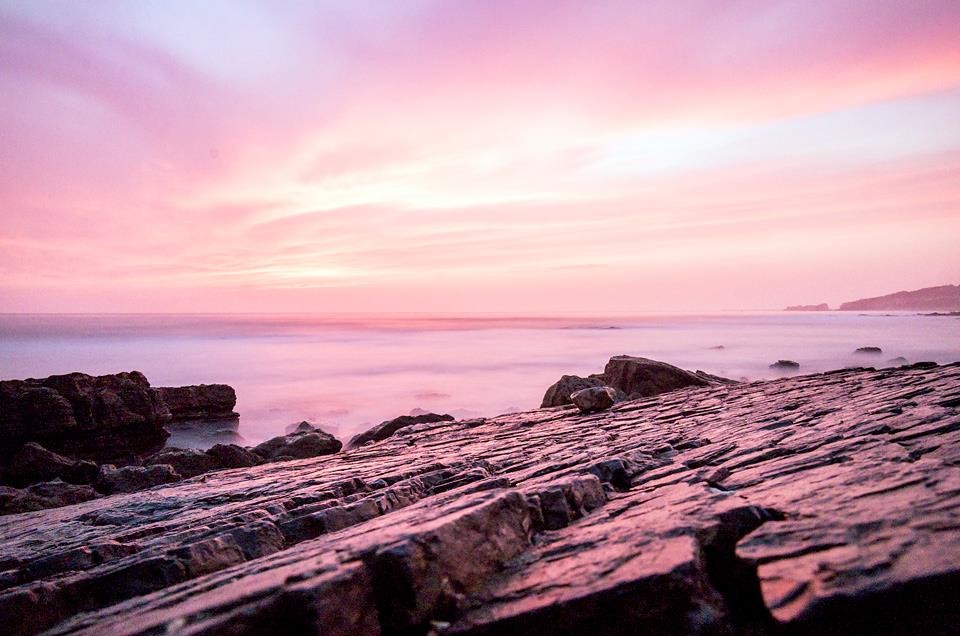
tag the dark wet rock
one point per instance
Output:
(199, 402)
(717, 348)
(560, 391)
(595, 398)
(187, 462)
(386, 429)
(51, 494)
(298, 446)
(133, 478)
(869, 350)
(104, 418)
(785, 365)
(33, 463)
(813, 504)
(233, 456)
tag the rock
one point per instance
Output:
(785, 365)
(869, 350)
(104, 418)
(33, 463)
(233, 456)
(298, 446)
(595, 398)
(898, 361)
(820, 307)
(133, 478)
(386, 429)
(641, 377)
(187, 462)
(52, 494)
(823, 503)
(199, 402)
(560, 391)
(942, 298)
(301, 427)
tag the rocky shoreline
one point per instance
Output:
(825, 503)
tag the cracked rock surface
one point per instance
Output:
(816, 504)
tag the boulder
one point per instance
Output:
(52, 494)
(113, 480)
(874, 351)
(785, 365)
(641, 377)
(199, 402)
(188, 462)
(233, 456)
(899, 361)
(33, 464)
(298, 446)
(560, 391)
(595, 398)
(105, 418)
(383, 430)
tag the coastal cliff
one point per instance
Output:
(826, 503)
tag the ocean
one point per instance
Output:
(347, 372)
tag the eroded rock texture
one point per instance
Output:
(806, 505)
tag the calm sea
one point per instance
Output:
(348, 372)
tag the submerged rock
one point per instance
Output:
(383, 430)
(823, 503)
(785, 365)
(595, 398)
(898, 361)
(869, 350)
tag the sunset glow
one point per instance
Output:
(476, 156)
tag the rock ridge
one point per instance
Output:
(825, 503)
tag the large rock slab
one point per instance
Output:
(812, 504)
(383, 430)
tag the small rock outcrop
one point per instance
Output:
(105, 418)
(873, 351)
(33, 464)
(51, 494)
(785, 365)
(199, 402)
(593, 399)
(298, 446)
(386, 429)
(187, 462)
(112, 480)
(898, 361)
(233, 456)
(631, 377)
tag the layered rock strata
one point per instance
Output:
(807, 505)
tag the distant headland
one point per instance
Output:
(943, 298)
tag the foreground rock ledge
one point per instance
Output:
(817, 504)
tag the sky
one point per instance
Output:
(475, 156)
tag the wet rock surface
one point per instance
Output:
(199, 402)
(597, 398)
(814, 504)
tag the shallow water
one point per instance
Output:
(347, 372)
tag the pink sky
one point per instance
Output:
(535, 157)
